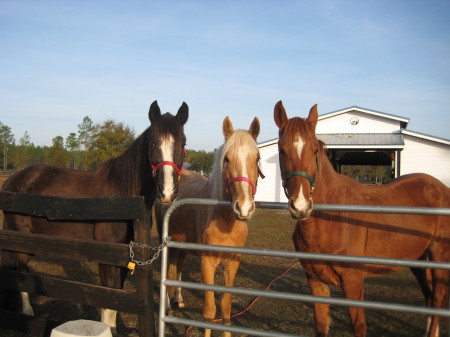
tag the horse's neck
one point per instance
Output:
(130, 172)
(328, 182)
(216, 182)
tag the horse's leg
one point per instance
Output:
(172, 274)
(209, 265)
(425, 286)
(22, 266)
(423, 276)
(17, 261)
(439, 251)
(178, 297)
(440, 295)
(352, 285)
(321, 311)
(112, 277)
(229, 274)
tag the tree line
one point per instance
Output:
(84, 149)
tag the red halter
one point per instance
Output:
(162, 163)
(229, 181)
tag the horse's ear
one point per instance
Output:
(154, 113)
(279, 114)
(183, 113)
(254, 128)
(313, 117)
(227, 128)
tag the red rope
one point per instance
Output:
(252, 304)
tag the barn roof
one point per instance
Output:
(356, 140)
(403, 120)
(363, 140)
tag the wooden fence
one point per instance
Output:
(132, 209)
(6, 173)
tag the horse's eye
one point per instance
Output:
(226, 160)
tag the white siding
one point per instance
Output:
(270, 188)
(425, 156)
(367, 124)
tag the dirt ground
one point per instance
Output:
(268, 229)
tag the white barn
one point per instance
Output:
(359, 136)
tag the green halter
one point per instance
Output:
(312, 180)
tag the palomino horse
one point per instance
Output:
(234, 177)
(150, 167)
(305, 168)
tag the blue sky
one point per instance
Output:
(63, 60)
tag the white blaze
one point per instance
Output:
(167, 155)
(300, 202)
(247, 206)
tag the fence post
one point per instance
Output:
(144, 275)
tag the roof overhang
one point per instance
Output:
(426, 137)
(363, 141)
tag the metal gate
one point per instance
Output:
(163, 318)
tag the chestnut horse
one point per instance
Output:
(305, 168)
(150, 167)
(234, 177)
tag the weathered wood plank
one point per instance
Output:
(67, 248)
(71, 209)
(144, 279)
(73, 291)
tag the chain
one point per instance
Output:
(157, 251)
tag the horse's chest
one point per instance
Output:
(323, 272)
(307, 238)
(227, 234)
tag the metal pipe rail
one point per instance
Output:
(290, 254)
(312, 299)
(311, 256)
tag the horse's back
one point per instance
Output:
(192, 185)
(420, 190)
(51, 180)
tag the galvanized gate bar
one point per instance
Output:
(319, 207)
(364, 208)
(310, 256)
(312, 299)
(221, 327)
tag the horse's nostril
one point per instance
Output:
(236, 207)
(253, 209)
(292, 205)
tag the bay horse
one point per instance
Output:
(150, 167)
(305, 168)
(234, 177)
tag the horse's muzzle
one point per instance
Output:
(166, 198)
(242, 212)
(300, 214)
